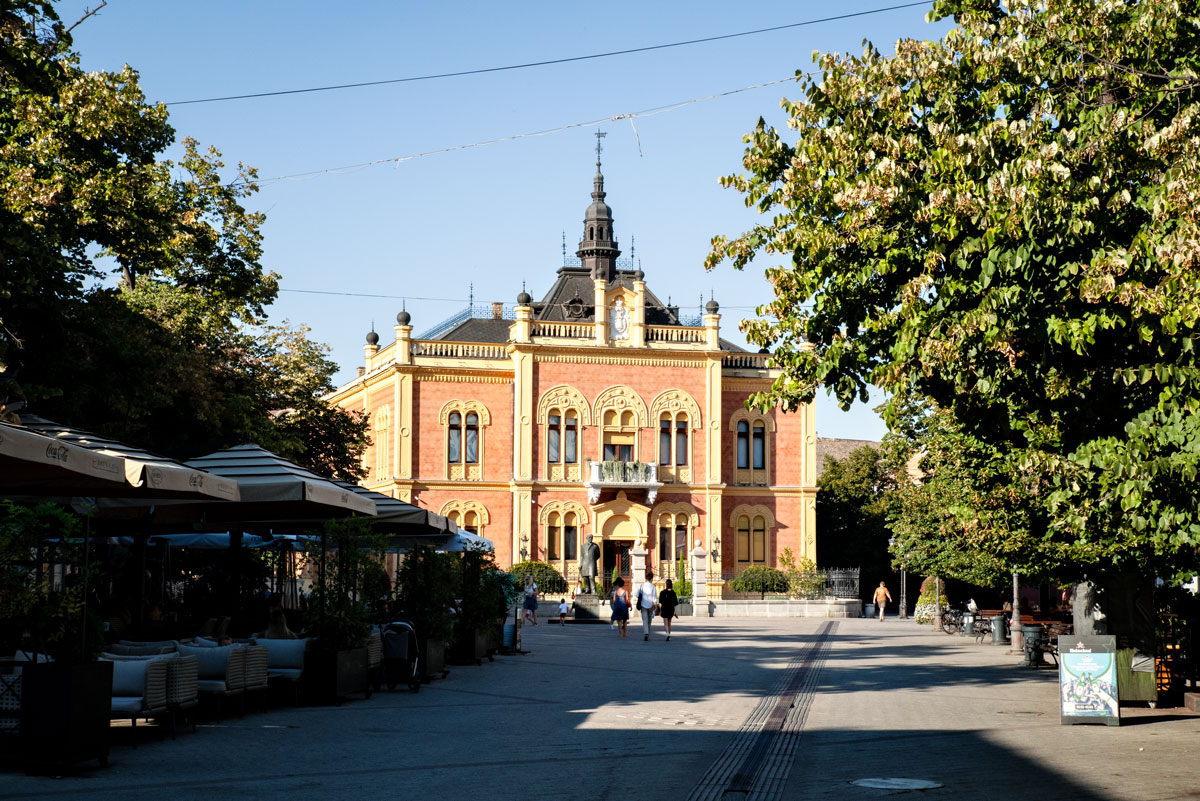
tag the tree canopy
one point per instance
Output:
(1005, 222)
(852, 526)
(132, 294)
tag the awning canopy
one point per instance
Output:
(34, 464)
(272, 488)
(147, 474)
(400, 517)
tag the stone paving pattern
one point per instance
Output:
(586, 715)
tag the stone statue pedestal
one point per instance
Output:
(587, 608)
(637, 563)
(699, 582)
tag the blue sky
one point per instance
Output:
(492, 216)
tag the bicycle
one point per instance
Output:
(952, 621)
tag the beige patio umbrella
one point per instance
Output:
(34, 464)
(147, 474)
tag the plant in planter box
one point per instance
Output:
(683, 585)
(760, 579)
(348, 558)
(483, 601)
(426, 586)
(59, 622)
(65, 704)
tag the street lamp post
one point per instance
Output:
(903, 584)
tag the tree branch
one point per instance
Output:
(86, 13)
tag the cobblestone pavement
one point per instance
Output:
(587, 715)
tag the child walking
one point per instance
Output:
(563, 608)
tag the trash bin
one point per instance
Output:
(968, 628)
(1000, 630)
(1031, 636)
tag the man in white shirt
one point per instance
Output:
(647, 596)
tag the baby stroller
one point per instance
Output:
(400, 655)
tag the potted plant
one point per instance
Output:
(425, 593)
(65, 702)
(482, 604)
(683, 588)
(347, 557)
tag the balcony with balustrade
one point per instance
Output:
(623, 476)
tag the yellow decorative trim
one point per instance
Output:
(673, 401)
(565, 397)
(463, 378)
(485, 418)
(564, 507)
(672, 509)
(747, 384)
(751, 512)
(751, 418)
(456, 510)
(617, 359)
(620, 398)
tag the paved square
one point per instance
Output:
(587, 715)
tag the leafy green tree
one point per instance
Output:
(852, 528)
(1005, 221)
(181, 333)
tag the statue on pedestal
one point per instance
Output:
(589, 556)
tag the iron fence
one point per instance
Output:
(803, 585)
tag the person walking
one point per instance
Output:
(620, 607)
(530, 602)
(647, 598)
(667, 601)
(882, 596)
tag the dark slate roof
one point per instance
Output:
(575, 284)
(488, 330)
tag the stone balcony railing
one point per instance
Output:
(622, 475)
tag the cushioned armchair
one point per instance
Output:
(139, 688)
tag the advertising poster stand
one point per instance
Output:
(1087, 680)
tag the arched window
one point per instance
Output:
(751, 540)
(743, 445)
(621, 413)
(454, 448)
(562, 436)
(759, 446)
(675, 522)
(673, 439)
(563, 412)
(620, 436)
(380, 442)
(561, 522)
(472, 450)
(464, 422)
(470, 516)
(752, 458)
(752, 525)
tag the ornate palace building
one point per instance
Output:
(595, 410)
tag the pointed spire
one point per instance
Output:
(598, 250)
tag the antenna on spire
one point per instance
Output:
(632, 247)
(471, 294)
(522, 285)
(599, 135)
(564, 261)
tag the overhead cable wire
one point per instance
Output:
(440, 300)
(548, 62)
(650, 112)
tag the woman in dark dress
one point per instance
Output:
(620, 606)
(667, 601)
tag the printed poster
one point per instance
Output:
(1087, 679)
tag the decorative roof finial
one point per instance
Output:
(564, 261)
(599, 135)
